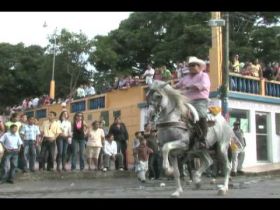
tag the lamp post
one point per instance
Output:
(219, 58)
(52, 83)
(224, 90)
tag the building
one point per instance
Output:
(126, 103)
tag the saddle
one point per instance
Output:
(213, 111)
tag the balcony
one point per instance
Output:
(252, 85)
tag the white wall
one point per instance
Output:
(273, 139)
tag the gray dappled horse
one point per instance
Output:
(169, 106)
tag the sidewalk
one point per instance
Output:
(271, 168)
(76, 174)
(267, 169)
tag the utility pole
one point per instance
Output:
(224, 88)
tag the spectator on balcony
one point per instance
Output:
(35, 102)
(247, 70)
(277, 76)
(90, 90)
(165, 73)
(136, 81)
(81, 91)
(157, 75)
(149, 74)
(268, 73)
(179, 70)
(256, 69)
(235, 64)
(123, 83)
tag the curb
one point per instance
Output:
(271, 172)
(54, 175)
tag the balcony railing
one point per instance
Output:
(252, 85)
(245, 84)
(272, 88)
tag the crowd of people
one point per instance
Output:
(270, 71)
(24, 140)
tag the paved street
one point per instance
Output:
(129, 187)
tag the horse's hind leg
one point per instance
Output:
(206, 161)
(223, 153)
(179, 189)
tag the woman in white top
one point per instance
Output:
(63, 140)
(96, 137)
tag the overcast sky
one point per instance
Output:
(27, 27)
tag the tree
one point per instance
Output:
(19, 72)
(71, 61)
(160, 38)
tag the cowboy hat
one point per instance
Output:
(196, 60)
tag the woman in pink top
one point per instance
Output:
(196, 87)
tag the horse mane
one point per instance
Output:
(174, 95)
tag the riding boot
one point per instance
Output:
(204, 127)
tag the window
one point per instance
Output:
(31, 114)
(277, 123)
(242, 116)
(97, 103)
(105, 116)
(42, 113)
(78, 106)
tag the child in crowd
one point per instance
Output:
(141, 156)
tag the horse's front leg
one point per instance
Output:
(167, 147)
(179, 189)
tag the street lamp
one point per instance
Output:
(52, 83)
(217, 54)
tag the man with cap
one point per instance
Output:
(196, 87)
(239, 154)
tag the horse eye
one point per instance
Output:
(159, 96)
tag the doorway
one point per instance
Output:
(262, 136)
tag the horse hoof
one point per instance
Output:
(213, 181)
(180, 190)
(222, 192)
(197, 186)
(169, 172)
(175, 194)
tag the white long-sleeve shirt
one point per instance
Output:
(110, 148)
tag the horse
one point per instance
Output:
(167, 106)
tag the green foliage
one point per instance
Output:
(160, 38)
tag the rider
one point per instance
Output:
(196, 86)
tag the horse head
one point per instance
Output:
(162, 99)
(158, 100)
